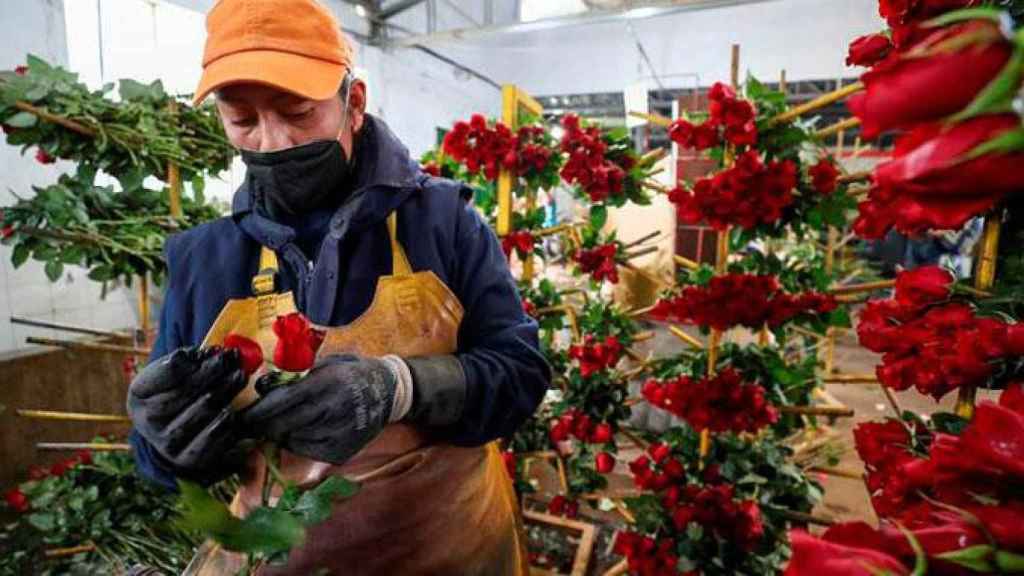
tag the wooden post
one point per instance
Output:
(174, 175)
(984, 277)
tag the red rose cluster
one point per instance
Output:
(751, 192)
(972, 514)
(587, 165)
(935, 180)
(730, 120)
(931, 344)
(600, 262)
(481, 147)
(721, 403)
(649, 557)
(824, 176)
(521, 241)
(595, 356)
(533, 153)
(17, 500)
(562, 506)
(574, 422)
(432, 168)
(750, 300)
(43, 157)
(905, 17)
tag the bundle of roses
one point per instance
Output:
(934, 343)
(738, 299)
(586, 418)
(964, 141)
(483, 147)
(716, 516)
(730, 120)
(599, 256)
(951, 497)
(603, 165)
(720, 403)
(521, 238)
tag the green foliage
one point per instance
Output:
(114, 234)
(268, 533)
(602, 319)
(138, 133)
(102, 502)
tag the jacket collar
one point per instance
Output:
(385, 175)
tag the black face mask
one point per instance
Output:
(300, 179)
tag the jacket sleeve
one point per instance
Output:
(506, 373)
(148, 462)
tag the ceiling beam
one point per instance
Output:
(396, 8)
(653, 10)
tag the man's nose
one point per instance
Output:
(274, 135)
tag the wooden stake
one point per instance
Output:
(838, 472)
(838, 127)
(679, 333)
(72, 416)
(817, 103)
(656, 119)
(54, 119)
(685, 262)
(984, 278)
(74, 446)
(831, 411)
(70, 551)
(855, 177)
(850, 379)
(88, 346)
(865, 287)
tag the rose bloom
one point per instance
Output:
(913, 86)
(297, 343)
(868, 50)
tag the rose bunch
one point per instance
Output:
(588, 165)
(647, 556)
(749, 193)
(940, 177)
(824, 176)
(576, 423)
(910, 86)
(721, 403)
(601, 262)
(594, 355)
(482, 147)
(736, 299)
(533, 150)
(521, 241)
(933, 344)
(731, 120)
(905, 17)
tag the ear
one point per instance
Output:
(357, 104)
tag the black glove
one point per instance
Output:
(331, 413)
(180, 404)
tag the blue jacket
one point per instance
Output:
(506, 375)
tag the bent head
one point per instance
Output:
(264, 119)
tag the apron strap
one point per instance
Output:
(263, 282)
(399, 263)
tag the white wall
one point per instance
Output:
(37, 27)
(807, 38)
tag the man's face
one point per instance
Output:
(265, 119)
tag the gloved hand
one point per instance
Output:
(335, 410)
(180, 404)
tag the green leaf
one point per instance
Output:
(22, 120)
(198, 188)
(1009, 141)
(976, 558)
(948, 423)
(987, 13)
(314, 506)
(598, 216)
(20, 255)
(264, 531)
(54, 269)
(44, 521)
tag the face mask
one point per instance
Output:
(300, 179)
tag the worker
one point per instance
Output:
(427, 357)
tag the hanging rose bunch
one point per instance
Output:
(594, 356)
(730, 120)
(949, 496)
(750, 193)
(721, 403)
(600, 262)
(704, 515)
(739, 299)
(934, 344)
(482, 147)
(587, 165)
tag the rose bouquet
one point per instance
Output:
(270, 531)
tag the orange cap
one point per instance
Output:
(294, 45)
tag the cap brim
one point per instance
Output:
(308, 77)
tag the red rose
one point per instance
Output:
(923, 286)
(21, 70)
(432, 168)
(36, 472)
(249, 352)
(519, 240)
(1015, 339)
(824, 176)
(43, 157)
(60, 467)
(930, 183)
(604, 462)
(913, 87)
(84, 457)
(559, 432)
(602, 433)
(995, 440)
(1012, 397)
(509, 459)
(815, 557)
(1004, 523)
(297, 343)
(17, 500)
(562, 506)
(868, 50)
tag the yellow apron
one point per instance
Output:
(424, 507)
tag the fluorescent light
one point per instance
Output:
(360, 11)
(644, 12)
